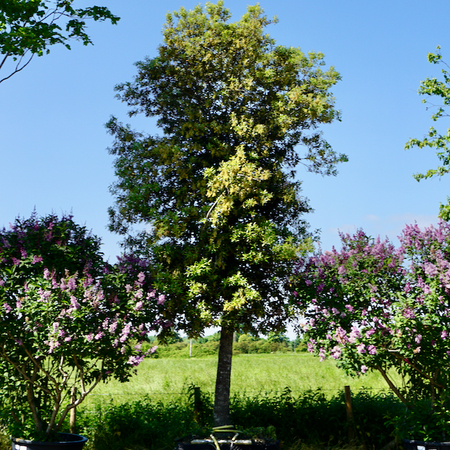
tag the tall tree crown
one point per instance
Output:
(217, 187)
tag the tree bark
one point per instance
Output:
(223, 380)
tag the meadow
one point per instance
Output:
(252, 374)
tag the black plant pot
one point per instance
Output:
(409, 444)
(68, 442)
(260, 444)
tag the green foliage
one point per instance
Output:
(147, 424)
(432, 89)
(217, 186)
(30, 27)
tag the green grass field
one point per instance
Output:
(165, 378)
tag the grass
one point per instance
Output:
(153, 408)
(253, 373)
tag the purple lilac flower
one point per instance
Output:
(7, 308)
(125, 333)
(418, 338)
(336, 352)
(74, 302)
(113, 327)
(135, 360)
(409, 313)
(322, 354)
(372, 349)
(72, 284)
(36, 259)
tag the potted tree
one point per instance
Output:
(220, 213)
(68, 321)
(371, 306)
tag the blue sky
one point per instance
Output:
(53, 143)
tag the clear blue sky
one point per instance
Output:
(53, 143)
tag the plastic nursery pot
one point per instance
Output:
(206, 444)
(68, 442)
(409, 444)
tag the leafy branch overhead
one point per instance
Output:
(440, 89)
(30, 27)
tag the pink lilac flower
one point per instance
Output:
(7, 308)
(161, 299)
(361, 348)
(444, 334)
(89, 337)
(418, 338)
(364, 369)
(138, 306)
(99, 335)
(113, 327)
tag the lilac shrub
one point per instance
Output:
(67, 320)
(372, 306)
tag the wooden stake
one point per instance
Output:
(350, 419)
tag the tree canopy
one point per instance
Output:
(215, 193)
(30, 27)
(433, 88)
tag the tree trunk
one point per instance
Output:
(223, 380)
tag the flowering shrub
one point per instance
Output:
(67, 320)
(374, 307)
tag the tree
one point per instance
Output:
(432, 87)
(370, 311)
(216, 191)
(29, 27)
